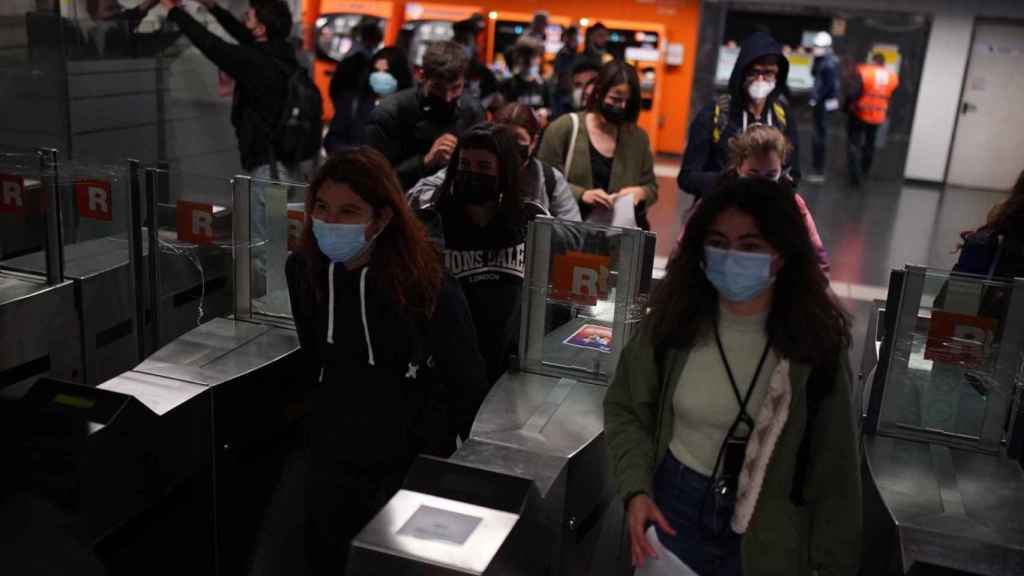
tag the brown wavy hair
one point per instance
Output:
(805, 323)
(758, 140)
(516, 114)
(406, 263)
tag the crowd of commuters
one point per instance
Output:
(407, 284)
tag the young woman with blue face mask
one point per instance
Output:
(386, 335)
(729, 422)
(389, 73)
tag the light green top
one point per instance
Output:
(704, 405)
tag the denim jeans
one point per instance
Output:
(679, 492)
(820, 138)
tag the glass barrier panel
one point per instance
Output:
(277, 215)
(194, 232)
(23, 198)
(94, 217)
(956, 356)
(584, 296)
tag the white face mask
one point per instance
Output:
(760, 89)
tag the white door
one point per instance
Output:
(988, 150)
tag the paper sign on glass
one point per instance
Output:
(593, 337)
(435, 524)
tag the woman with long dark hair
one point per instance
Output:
(388, 342)
(995, 250)
(729, 421)
(480, 216)
(389, 73)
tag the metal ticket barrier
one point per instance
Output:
(231, 372)
(193, 432)
(39, 326)
(188, 281)
(943, 432)
(98, 231)
(586, 289)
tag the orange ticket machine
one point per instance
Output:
(504, 28)
(426, 23)
(331, 35)
(642, 44)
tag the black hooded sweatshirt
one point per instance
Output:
(385, 386)
(490, 265)
(260, 70)
(705, 159)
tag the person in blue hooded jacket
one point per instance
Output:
(754, 97)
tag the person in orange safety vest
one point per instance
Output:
(869, 106)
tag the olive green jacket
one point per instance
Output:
(633, 164)
(822, 537)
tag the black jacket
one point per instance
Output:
(401, 129)
(704, 158)
(385, 386)
(260, 71)
(352, 109)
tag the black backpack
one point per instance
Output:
(299, 131)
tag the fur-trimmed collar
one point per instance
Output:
(770, 421)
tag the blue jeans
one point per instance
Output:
(679, 492)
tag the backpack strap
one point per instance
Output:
(995, 260)
(721, 117)
(548, 173)
(572, 143)
(780, 114)
(819, 384)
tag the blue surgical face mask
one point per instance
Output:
(340, 242)
(738, 276)
(383, 83)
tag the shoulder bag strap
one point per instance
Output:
(572, 143)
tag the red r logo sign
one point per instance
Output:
(94, 199)
(12, 194)
(194, 222)
(580, 277)
(296, 218)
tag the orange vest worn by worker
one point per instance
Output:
(878, 86)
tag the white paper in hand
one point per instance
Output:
(623, 216)
(666, 564)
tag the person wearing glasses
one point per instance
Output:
(754, 97)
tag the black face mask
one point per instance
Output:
(614, 114)
(439, 108)
(475, 188)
